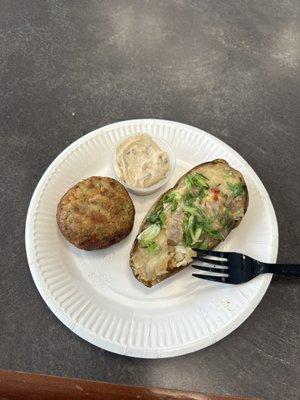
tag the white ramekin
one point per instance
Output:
(151, 189)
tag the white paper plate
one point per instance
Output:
(95, 293)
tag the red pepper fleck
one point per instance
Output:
(215, 191)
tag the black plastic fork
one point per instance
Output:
(237, 268)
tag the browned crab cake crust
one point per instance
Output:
(95, 213)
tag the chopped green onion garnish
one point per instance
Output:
(237, 189)
(157, 217)
(149, 233)
(173, 199)
(196, 180)
(146, 238)
(152, 247)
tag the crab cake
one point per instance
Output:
(95, 213)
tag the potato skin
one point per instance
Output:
(150, 283)
(95, 213)
(136, 243)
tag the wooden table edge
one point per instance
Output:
(15, 385)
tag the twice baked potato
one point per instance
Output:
(197, 213)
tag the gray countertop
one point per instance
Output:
(228, 67)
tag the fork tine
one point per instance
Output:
(210, 261)
(213, 273)
(211, 253)
(211, 268)
(221, 279)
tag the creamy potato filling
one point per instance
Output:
(197, 214)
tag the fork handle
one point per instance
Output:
(282, 269)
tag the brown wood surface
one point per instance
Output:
(20, 386)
